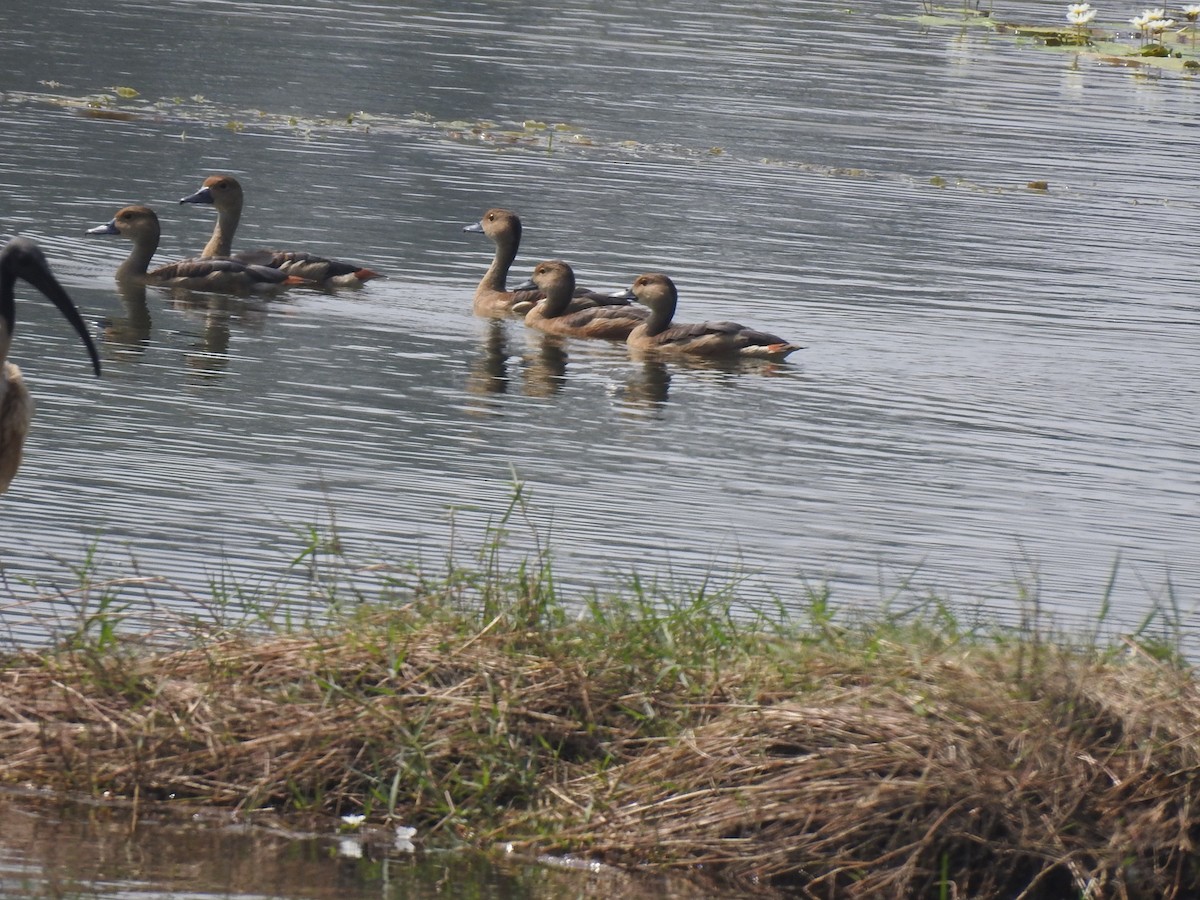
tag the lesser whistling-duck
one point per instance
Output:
(492, 297)
(712, 339)
(556, 281)
(22, 258)
(224, 193)
(139, 224)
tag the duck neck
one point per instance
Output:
(660, 316)
(496, 277)
(139, 258)
(221, 242)
(558, 298)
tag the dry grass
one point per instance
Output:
(1079, 782)
(828, 764)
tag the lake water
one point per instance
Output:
(999, 395)
(61, 849)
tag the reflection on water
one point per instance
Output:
(540, 360)
(489, 371)
(648, 384)
(131, 329)
(54, 849)
(545, 366)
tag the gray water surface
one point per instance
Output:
(997, 395)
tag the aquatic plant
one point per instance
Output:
(1139, 23)
(1149, 44)
(1080, 15)
(1191, 13)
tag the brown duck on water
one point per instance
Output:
(492, 297)
(555, 279)
(711, 339)
(139, 224)
(224, 193)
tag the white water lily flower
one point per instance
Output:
(1151, 15)
(354, 821)
(1192, 12)
(1081, 18)
(1138, 22)
(1078, 9)
(1160, 25)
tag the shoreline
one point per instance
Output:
(896, 755)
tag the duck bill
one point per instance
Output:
(204, 195)
(474, 227)
(45, 282)
(526, 286)
(108, 228)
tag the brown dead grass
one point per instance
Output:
(1079, 783)
(813, 768)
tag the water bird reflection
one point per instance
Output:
(542, 366)
(130, 331)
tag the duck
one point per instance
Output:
(140, 225)
(492, 298)
(708, 339)
(556, 281)
(224, 192)
(23, 258)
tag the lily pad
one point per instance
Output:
(1103, 44)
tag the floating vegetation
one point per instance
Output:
(535, 135)
(1155, 41)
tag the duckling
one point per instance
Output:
(492, 298)
(721, 339)
(555, 279)
(140, 225)
(22, 258)
(224, 192)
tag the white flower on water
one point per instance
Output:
(1078, 9)
(1139, 22)
(1151, 15)
(1080, 16)
(353, 821)
(1192, 12)
(1158, 26)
